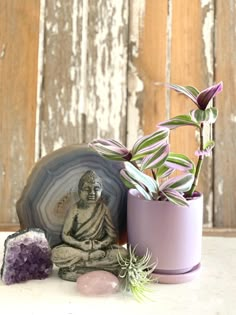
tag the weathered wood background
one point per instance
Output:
(74, 70)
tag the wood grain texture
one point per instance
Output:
(84, 87)
(107, 58)
(176, 45)
(153, 63)
(191, 64)
(225, 129)
(19, 21)
(60, 115)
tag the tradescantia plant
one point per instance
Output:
(152, 152)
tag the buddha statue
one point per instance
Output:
(89, 237)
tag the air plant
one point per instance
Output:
(135, 273)
(152, 152)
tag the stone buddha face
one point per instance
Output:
(90, 188)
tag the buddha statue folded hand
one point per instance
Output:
(89, 236)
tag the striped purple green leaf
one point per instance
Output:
(179, 162)
(156, 159)
(111, 149)
(148, 144)
(201, 99)
(130, 182)
(209, 115)
(206, 95)
(179, 183)
(142, 179)
(178, 121)
(175, 197)
(164, 171)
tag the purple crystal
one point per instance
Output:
(27, 256)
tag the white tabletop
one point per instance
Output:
(212, 292)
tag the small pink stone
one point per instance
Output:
(97, 283)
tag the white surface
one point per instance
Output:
(213, 292)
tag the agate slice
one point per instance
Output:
(27, 256)
(52, 189)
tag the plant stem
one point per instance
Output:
(199, 163)
(135, 164)
(153, 174)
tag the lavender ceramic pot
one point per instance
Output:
(173, 234)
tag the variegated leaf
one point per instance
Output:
(175, 197)
(184, 90)
(164, 171)
(131, 183)
(179, 162)
(180, 183)
(192, 90)
(148, 144)
(143, 179)
(209, 115)
(156, 159)
(178, 121)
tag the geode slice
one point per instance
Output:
(52, 190)
(27, 256)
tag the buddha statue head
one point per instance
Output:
(90, 187)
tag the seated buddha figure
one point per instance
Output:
(89, 237)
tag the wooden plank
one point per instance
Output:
(225, 129)
(60, 116)
(167, 52)
(19, 29)
(106, 99)
(148, 47)
(9, 227)
(219, 232)
(84, 87)
(192, 64)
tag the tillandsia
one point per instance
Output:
(152, 152)
(135, 272)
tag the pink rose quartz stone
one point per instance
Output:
(96, 283)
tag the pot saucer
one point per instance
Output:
(178, 278)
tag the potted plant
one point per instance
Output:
(165, 212)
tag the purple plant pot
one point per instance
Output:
(173, 234)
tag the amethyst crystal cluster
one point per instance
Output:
(27, 256)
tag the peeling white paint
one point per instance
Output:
(66, 27)
(48, 23)
(204, 3)
(40, 79)
(107, 74)
(55, 28)
(207, 33)
(136, 24)
(50, 112)
(2, 51)
(58, 143)
(208, 209)
(58, 4)
(168, 55)
(72, 73)
(43, 150)
(74, 106)
(135, 86)
(82, 85)
(233, 118)
(220, 187)
(74, 27)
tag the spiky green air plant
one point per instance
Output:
(135, 271)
